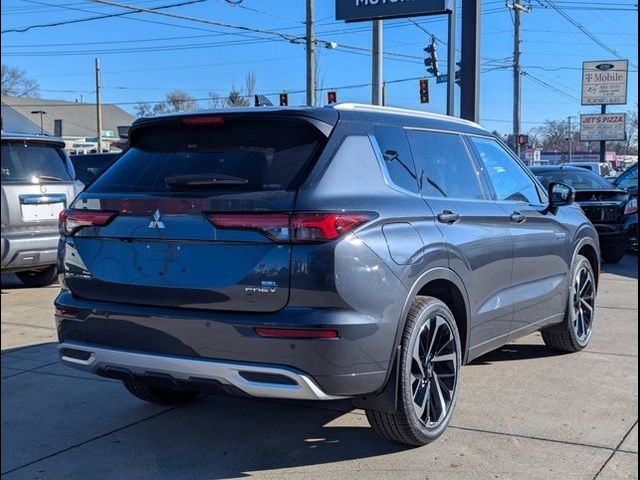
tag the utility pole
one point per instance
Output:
(517, 74)
(376, 64)
(570, 138)
(470, 61)
(311, 57)
(451, 60)
(98, 107)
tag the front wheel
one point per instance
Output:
(38, 278)
(431, 357)
(574, 333)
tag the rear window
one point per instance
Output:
(89, 166)
(583, 179)
(33, 163)
(262, 155)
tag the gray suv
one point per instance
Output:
(319, 253)
(38, 182)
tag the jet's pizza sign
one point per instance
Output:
(605, 83)
(602, 127)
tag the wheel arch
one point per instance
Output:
(589, 249)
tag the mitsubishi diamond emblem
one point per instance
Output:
(156, 223)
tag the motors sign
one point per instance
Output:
(602, 127)
(605, 83)
(361, 10)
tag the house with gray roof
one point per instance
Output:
(75, 122)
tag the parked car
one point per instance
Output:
(628, 181)
(319, 253)
(609, 208)
(38, 182)
(600, 168)
(89, 166)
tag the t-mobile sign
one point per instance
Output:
(361, 10)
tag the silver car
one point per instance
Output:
(38, 182)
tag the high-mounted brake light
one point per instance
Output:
(73, 219)
(293, 227)
(296, 333)
(631, 207)
(203, 121)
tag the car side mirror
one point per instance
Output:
(560, 194)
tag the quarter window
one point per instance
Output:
(397, 157)
(443, 165)
(510, 181)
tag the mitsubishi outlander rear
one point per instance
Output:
(318, 253)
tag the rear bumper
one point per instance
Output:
(354, 364)
(251, 379)
(29, 251)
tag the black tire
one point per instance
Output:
(158, 395)
(38, 278)
(613, 254)
(405, 425)
(568, 336)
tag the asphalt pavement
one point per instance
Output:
(524, 412)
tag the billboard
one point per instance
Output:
(362, 10)
(601, 127)
(605, 82)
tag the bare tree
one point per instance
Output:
(236, 98)
(250, 84)
(176, 101)
(16, 83)
(554, 136)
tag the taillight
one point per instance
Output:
(631, 207)
(73, 219)
(293, 227)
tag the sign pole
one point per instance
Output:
(603, 143)
(376, 63)
(470, 66)
(451, 60)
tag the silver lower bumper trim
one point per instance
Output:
(298, 386)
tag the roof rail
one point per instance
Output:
(401, 111)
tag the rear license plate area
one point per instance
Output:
(40, 212)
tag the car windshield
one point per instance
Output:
(628, 179)
(582, 179)
(24, 162)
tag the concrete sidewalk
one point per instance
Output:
(524, 412)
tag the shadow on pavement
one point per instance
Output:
(11, 282)
(516, 351)
(628, 267)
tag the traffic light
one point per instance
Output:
(459, 73)
(284, 99)
(424, 90)
(332, 97)
(431, 62)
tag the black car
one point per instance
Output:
(319, 253)
(89, 166)
(609, 208)
(628, 180)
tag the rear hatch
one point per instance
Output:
(602, 206)
(159, 245)
(37, 184)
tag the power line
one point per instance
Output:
(100, 17)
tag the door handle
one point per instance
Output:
(517, 217)
(448, 217)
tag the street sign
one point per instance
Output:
(605, 82)
(602, 127)
(442, 78)
(362, 10)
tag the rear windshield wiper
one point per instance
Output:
(204, 180)
(51, 178)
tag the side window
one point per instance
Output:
(397, 157)
(628, 179)
(509, 180)
(443, 165)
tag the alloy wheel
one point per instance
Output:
(434, 370)
(583, 303)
